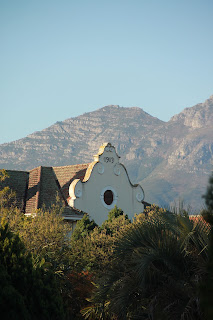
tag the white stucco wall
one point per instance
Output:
(106, 173)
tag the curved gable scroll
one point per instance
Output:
(106, 184)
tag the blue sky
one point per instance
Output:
(59, 59)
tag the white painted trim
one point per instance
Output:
(34, 214)
(72, 218)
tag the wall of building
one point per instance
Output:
(106, 177)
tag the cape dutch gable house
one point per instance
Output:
(93, 188)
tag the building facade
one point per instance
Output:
(93, 188)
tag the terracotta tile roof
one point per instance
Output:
(65, 175)
(69, 211)
(41, 185)
(45, 183)
(49, 188)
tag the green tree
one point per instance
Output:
(26, 292)
(92, 246)
(7, 196)
(116, 221)
(83, 228)
(115, 213)
(207, 285)
(45, 236)
(157, 265)
(92, 252)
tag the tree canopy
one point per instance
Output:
(207, 285)
(26, 292)
(157, 267)
(157, 264)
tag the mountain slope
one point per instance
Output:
(184, 173)
(75, 140)
(172, 160)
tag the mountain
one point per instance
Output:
(171, 160)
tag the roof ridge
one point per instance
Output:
(12, 170)
(35, 168)
(73, 165)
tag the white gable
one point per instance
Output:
(106, 184)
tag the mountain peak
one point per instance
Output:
(210, 98)
(112, 106)
(209, 101)
(199, 116)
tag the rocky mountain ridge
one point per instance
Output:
(171, 160)
(198, 116)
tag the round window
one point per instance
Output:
(108, 197)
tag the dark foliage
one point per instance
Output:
(26, 292)
(207, 285)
